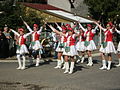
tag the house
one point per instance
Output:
(75, 6)
(54, 14)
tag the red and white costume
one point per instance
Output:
(80, 46)
(71, 43)
(63, 41)
(110, 48)
(89, 37)
(21, 49)
(35, 39)
(21, 42)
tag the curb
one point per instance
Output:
(43, 60)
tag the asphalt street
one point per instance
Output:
(45, 77)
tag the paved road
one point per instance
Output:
(45, 77)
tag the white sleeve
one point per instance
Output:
(30, 30)
(40, 30)
(117, 31)
(82, 27)
(85, 33)
(94, 30)
(27, 34)
(16, 33)
(104, 29)
(54, 36)
(73, 36)
(66, 34)
(59, 28)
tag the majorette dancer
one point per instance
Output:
(21, 47)
(80, 46)
(107, 46)
(89, 43)
(69, 50)
(61, 45)
(118, 49)
(35, 45)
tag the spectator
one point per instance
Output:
(11, 46)
(3, 45)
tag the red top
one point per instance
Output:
(64, 39)
(36, 36)
(23, 40)
(108, 36)
(71, 40)
(91, 35)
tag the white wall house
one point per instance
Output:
(63, 4)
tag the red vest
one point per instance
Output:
(23, 40)
(108, 36)
(91, 35)
(64, 39)
(36, 36)
(72, 41)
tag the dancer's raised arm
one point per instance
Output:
(118, 31)
(27, 34)
(58, 27)
(16, 33)
(56, 31)
(82, 27)
(40, 30)
(99, 26)
(94, 30)
(28, 27)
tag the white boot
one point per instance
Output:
(71, 67)
(58, 64)
(109, 65)
(66, 67)
(63, 66)
(90, 61)
(118, 65)
(19, 62)
(78, 57)
(78, 61)
(82, 60)
(62, 59)
(104, 65)
(23, 67)
(37, 62)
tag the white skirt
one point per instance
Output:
(110, 48)
(80, 46)
(91, 46)
(36, 46)
(118, 49)
(22, 50)
(72, 52)
(58, 49)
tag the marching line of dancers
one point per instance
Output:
(67, 47)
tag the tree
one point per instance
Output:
(12, 13)
(107, 9)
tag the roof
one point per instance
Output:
(41, 6)
(70, 16)
(58, 12)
